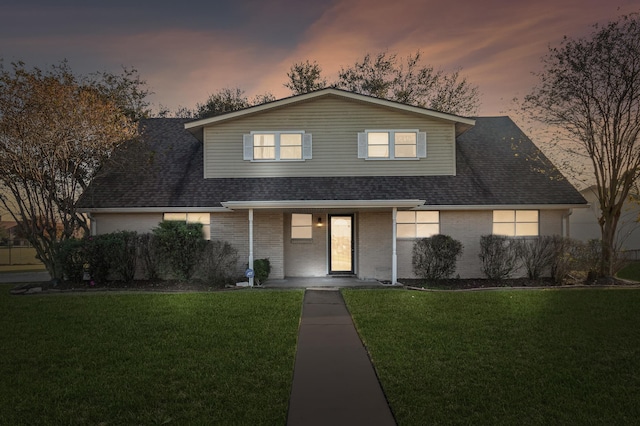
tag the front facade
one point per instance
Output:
(333, 182)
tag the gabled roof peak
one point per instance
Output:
(196, 125)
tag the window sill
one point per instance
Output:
(393, 159)
(276, 161)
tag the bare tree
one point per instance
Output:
(410, 82)
(305, 77)
(590, 90)
(56, 129)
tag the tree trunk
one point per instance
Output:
(608, 226)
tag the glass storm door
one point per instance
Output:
(341, 248)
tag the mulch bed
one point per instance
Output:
(200, 286)
(469, 284)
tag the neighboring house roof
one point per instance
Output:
(496, 165)
(8, 224)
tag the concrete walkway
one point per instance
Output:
(321, 282)
(334, 382)
(24, 277)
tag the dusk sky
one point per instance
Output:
(189, 50)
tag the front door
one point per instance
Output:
(341, 244)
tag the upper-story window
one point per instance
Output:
(277, 146)
(392, 144)
(516, 223)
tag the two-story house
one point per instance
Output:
(332, 182)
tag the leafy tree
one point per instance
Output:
(410, 82)
(305, 77)
(590, 90)
(262, 98)
(228, 100)
(56, 129)
(127, 90)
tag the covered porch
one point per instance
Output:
(324, 243)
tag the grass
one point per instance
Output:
(630, 272)
(120, 359)
(504, 357)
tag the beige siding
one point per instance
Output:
(334, 124)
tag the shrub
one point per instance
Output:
(218, 263)
(112, 256)
(434, 258)
(567, 256)
(499, 256)
(124, 255)
(71, 258)
(148, 256)
(261, 269)
(179, 245)
(536, 255)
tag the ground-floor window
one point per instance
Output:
(301, 226)
(203, 218)
(516, 223)
(417, 224)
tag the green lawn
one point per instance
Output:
(123, 359)
(631, 271)
(505, 357)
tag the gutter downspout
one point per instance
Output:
(565, 223)
(93, 225)
(394, 256)
(251, 245)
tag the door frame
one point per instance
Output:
(351, 217)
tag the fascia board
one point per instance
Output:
(194, 125)
(154, 210)
(322, 204)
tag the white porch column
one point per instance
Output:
(394, 256)
(251, 244)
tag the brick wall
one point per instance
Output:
(306, 258)
(267, 237)
(374, 245)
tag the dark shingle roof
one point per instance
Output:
(496, 164)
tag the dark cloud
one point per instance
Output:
(187, 50)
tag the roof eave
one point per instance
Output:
(323, 204)
(194, 126)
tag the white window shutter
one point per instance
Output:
(306, 146)
(248, 147)
(422, 145)
(362, 145)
